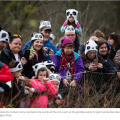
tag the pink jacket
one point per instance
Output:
(42, 101)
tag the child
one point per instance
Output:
(56, 100)
(72, 20)
(43, 84)
(50, 65)
(18, 87)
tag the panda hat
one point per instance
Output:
(4, 36)
(37, 36)
(49, 63)
(45, 25)
(17, 68)
(71, 12)
(55, 77)
(52, 36)
(91, 45)
(70, 29)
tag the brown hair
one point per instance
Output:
(98, 34)
(101, 42)
(43, 69)
(13, 64)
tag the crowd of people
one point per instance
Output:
(41, 68)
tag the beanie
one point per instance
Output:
(66, 41)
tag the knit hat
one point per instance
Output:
(37, 36)
(45, 25)
(94, 38)
(17, 68)
(4, 36)
(71, 12)
(49, 63)
(91, 45)
(70, 29)
(52, 36)
(55, 77)
(66, 41)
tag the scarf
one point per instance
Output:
(64, 62)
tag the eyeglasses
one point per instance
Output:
(52, 70)
(16, 35)
(92, 53)
(68, 35)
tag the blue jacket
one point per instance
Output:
(48, 44)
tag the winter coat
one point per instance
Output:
(78, 66)
(48, 44)
(7, 56)
(5, 73)
(28, 70)
(117, 58)
(42, 101)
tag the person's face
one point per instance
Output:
(91, 54)
(103, 50)
(2, 44)
(38, 44)
(52, 69)
(41, 75)
(17, 74)
(68, 50)
(111, 41)
(56, 85)
(46, 35)
(71, 19)
(15, 45)
(70, 35)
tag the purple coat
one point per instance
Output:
(79, 67)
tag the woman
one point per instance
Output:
(13, 51)
(114, 40)
(103, 51)
(36, 50)
(68, 63)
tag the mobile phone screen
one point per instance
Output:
(95, 61)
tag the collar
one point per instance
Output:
(1, 64)
(58, 53)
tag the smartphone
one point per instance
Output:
(48, 51)
(31, 50)
(27, 54)
(95, 61)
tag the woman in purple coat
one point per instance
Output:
(68, 64)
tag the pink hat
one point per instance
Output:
(65, 41)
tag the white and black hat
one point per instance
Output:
(52, 36)
(90, 45)
(37, 36)
(38, 66)
(71, 12)
(17, 68)
(4, 36)
(70, 29)
(45, 25)
(49, 63)
(55, 77)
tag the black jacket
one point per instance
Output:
(7, 56)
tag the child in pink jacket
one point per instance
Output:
(42, 83)
(71, 20)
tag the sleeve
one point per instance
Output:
(50, 88)
(40, 87)
(79, 69)
(78, 29)
(117, 58)
(27, 45)
(6, 74)
(63, 27)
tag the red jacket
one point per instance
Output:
(5, 73)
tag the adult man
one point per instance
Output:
(45, 29)
(70, 33)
